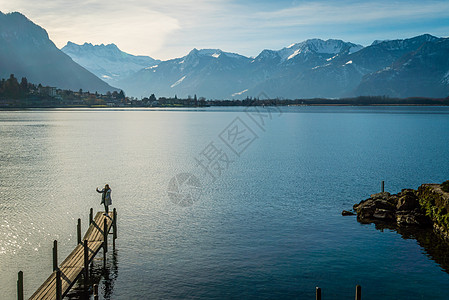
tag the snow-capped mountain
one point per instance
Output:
(214, 73)
(206, 72)
(108, 62)
(422, 72)
(317, 46)
(417, 66)
(341, 74)
(27, 51)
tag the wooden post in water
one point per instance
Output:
(358, 292)
(55, 255)
(105, 231)
(91, 216)
(95, 291)
(105, 240)
(114, 226)
(58, 284)
(383, 186)
(78, 231)
(318, 293)
(20, 286)
(86, 261)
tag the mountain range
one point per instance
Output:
(27, 51)
(418, 66)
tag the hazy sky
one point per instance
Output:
(171, 28)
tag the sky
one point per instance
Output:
(171, 28)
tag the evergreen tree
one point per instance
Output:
(12, 88)
(24, 85)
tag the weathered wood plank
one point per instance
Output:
(73, 265)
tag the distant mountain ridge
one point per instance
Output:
(107, 62)
(418, 66)
(214, 73)
(352, 74)
(425, 68)
(27, 51)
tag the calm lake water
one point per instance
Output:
(267, 221)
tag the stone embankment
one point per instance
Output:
(426, 206)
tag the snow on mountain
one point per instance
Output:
(107, 61)
(445, 79)
(178, 82)
(267, 56)
(328, 47)
(399, 45)
(239, 93)
(215, 53)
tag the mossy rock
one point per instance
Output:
(445, 186)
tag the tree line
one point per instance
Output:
(24, 94)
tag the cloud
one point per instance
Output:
(137, 26)
(352, 12)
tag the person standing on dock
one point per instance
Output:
(105, 198)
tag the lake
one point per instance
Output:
(215, 203)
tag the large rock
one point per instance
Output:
(365, 209)
(407, 202)
(379, 206)
(384, 214)
(404, 218)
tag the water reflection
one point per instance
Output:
(434, 246)
(103, 274)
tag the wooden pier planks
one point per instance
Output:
(73, 266)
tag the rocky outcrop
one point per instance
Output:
(427, 206)
(402, 208)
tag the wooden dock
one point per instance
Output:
(64, 276)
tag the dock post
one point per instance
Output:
(78, 231)
(95, 291)
(358, 292)
(114, 226)
(105, 231)
(20, 286)
(318, 293)
(105, 241)
(58, 284)
(91, 215)
(86, 261)
(383, 186)
(55, 255)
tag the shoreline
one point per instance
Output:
(199, 107)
